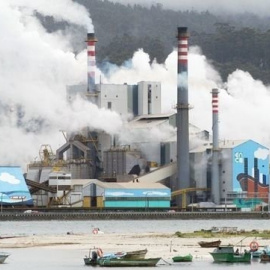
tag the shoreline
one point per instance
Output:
(164, 245)
(127, 215)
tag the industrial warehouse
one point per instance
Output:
(93, 170)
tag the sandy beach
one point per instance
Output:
(158, 245)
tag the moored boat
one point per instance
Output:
(209, 244)
(227, 254)
(123, 262)
(136, 254)
(96, 254)
(257, 253)
(186, 258)
(92, 258)
(3, 256)
(265, 257)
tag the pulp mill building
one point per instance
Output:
(93, 170)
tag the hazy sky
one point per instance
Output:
(260, 7)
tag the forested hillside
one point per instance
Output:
(231, 42)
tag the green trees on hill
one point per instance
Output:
(231, 49)
(230, 42)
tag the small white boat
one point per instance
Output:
(3, 256)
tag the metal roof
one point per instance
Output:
(149, 121)
(118, 185)
(222, 144)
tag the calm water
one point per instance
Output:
(52, 258)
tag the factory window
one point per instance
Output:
(149, 93)
(109, 105)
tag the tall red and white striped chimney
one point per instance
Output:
(215, 187)
(91, 64)
(183, 174)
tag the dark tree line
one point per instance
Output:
(230, 49)
(230, 42)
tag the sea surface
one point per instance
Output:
(57, 258)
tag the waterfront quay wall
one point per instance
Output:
(16, 216)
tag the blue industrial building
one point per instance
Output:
(243, 168)
(250, 160)
(126, 195)
(13, 189)
(137, 198)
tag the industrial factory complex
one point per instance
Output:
(93, 170)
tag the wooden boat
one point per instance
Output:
(137, 254)
(95, 254)
(123, 262)
(265, 258)
(3, 256)
(209, 244)
(187, 258)
(227, 254)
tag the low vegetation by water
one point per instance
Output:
(265, 234)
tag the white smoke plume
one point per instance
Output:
(243, 101)
(60, 10)
(35, 68)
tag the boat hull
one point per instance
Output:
(227, 254)
(265, 258)
(258, 253)
(122, 262)
(89, 261)
(137, 254)
(187, 258)
(212, 244)
(93, 258)
(231, 258)
(3, 257)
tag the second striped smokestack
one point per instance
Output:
(215, 187)
(183, 170)
(91, 64)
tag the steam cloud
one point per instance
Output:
(36, 66)
(243, 101)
